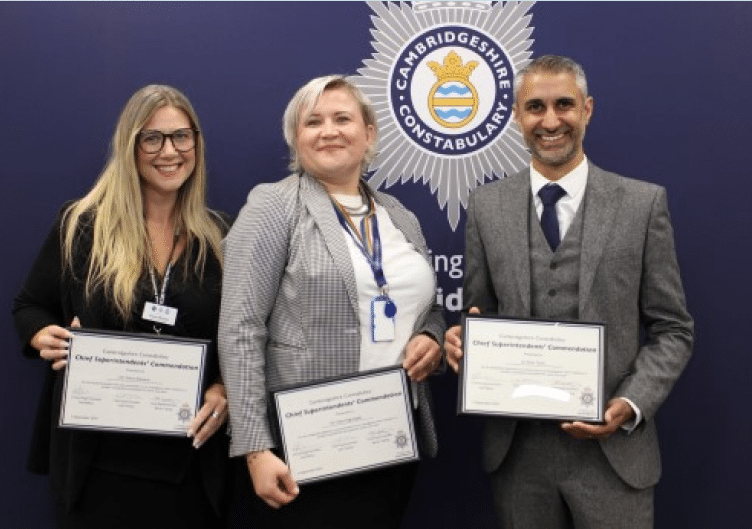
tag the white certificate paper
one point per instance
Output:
(132, 382)
(532, 369)
(348, 425)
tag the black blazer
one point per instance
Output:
(54, 295)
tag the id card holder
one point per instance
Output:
(159, 313)
(383, 311)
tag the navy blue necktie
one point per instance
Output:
(550, 195)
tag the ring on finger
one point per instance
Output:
(215, 414)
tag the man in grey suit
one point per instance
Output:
(566, 240)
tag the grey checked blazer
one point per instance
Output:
(629, 278)
(290, 303)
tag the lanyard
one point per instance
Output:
(158, 312)
(159, 295)
(367, 239)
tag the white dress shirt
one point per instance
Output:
(573, 183)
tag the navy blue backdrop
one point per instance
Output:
(671, 85)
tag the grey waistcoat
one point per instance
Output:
(554, 276)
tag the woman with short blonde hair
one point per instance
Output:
(324, 277)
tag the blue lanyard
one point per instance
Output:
(362, 239)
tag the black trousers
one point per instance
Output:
(376, 499)
(114, 501)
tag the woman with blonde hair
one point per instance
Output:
(324, 277)
(142, 235)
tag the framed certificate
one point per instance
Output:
(532, 369)
(136, 383)
(346, 425)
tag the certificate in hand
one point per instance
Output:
(342, 426)
(136, 383)
(532, 369)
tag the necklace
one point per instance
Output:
(157, 263)
(353, 204)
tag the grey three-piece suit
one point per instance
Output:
(625, 274)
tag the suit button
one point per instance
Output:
(553, 266)
(552, 292)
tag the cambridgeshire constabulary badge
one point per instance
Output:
(440, 80)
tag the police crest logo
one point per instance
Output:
(184, 413)
(440, 80)
(448, 100)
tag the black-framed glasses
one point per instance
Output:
(152, 141)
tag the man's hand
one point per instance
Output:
(453, 343)
(619, 412)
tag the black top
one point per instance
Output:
(53, 295)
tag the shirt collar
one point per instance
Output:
(573, 182)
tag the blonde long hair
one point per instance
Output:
(120, 250)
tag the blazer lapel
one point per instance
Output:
(316, 200)
(601, 202)
(514, 199)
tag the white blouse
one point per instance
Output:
(410, 280)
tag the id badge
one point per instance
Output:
(383, 310)
(159, 313)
